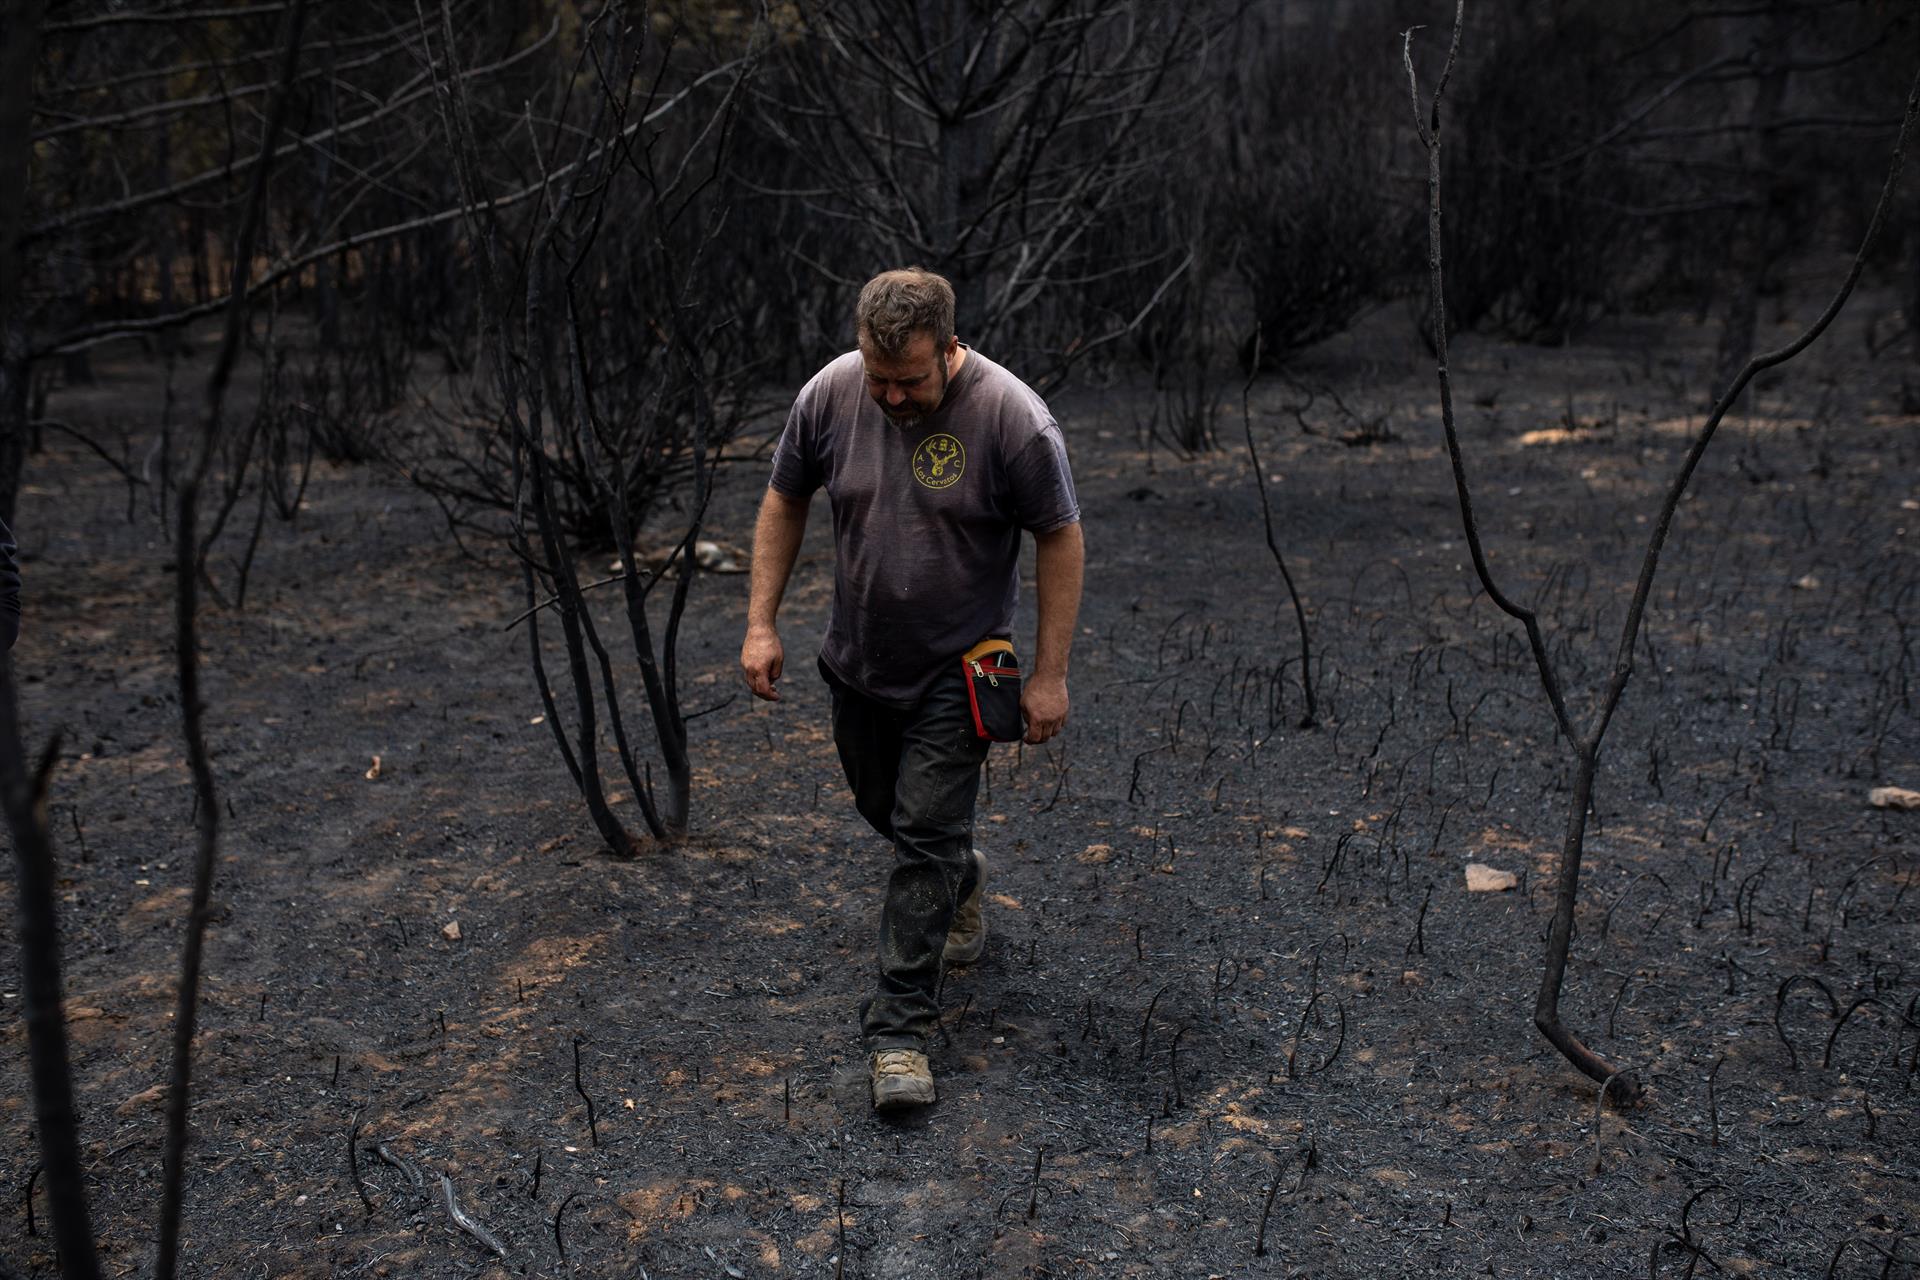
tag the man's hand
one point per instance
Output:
(761, 659)
(1059, 565)
(1044, 703)
(776, 541)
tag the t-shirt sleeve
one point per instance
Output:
(1043, 497)
(796, 459)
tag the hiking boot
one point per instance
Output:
(967, 937)
(901, 1078)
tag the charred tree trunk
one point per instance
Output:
(19, 59)
(1566, 896)
(187, 580)
(24, 795)
(963, 139)
(1760, 229)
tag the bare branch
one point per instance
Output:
(412, 92)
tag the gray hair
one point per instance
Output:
(896, 305)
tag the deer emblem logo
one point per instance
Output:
(939, 461)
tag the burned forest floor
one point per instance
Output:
(1234, 968)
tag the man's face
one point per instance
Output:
(911, 387)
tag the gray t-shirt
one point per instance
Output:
(926, 519)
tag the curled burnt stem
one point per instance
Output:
(1306, 1015)
(593, 1124)
(353, 1162)
(1147, 1022)
(1713, 1101)
(1306, 1155)
(1780, 1004)
(1826, 1060)
(1684, 1236)
(1606, 919)
(559, 1215)
(1260, 1236)
(414, 1177)
(1418, 943)
(1599, 1124)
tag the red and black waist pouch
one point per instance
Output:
(992, 672)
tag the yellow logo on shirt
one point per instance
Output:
(939, 462)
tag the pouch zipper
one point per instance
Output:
(991, 674)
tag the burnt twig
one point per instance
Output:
(403, 1164)
(353, 1162)
(559, 1240)
(1419, 940)
(1308, 720)
(1147, 1021)
(593, 1125)
(1713, 1101)
(840, 1227)
(1033, 1197)
(1310, 1154)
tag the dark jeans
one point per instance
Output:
(914, 775)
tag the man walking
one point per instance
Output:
(934, 459)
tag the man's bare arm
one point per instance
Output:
(1060, 559)
(776, 543)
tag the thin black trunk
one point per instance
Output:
(1546, 1008)
(19, 58)
(1760, 230)
(187, 660)
(25, 797)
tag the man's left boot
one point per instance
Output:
(967, 937)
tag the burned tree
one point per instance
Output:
(603, 342)
(1584, 740)
(1004, 146)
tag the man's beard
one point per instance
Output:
(910, 414)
